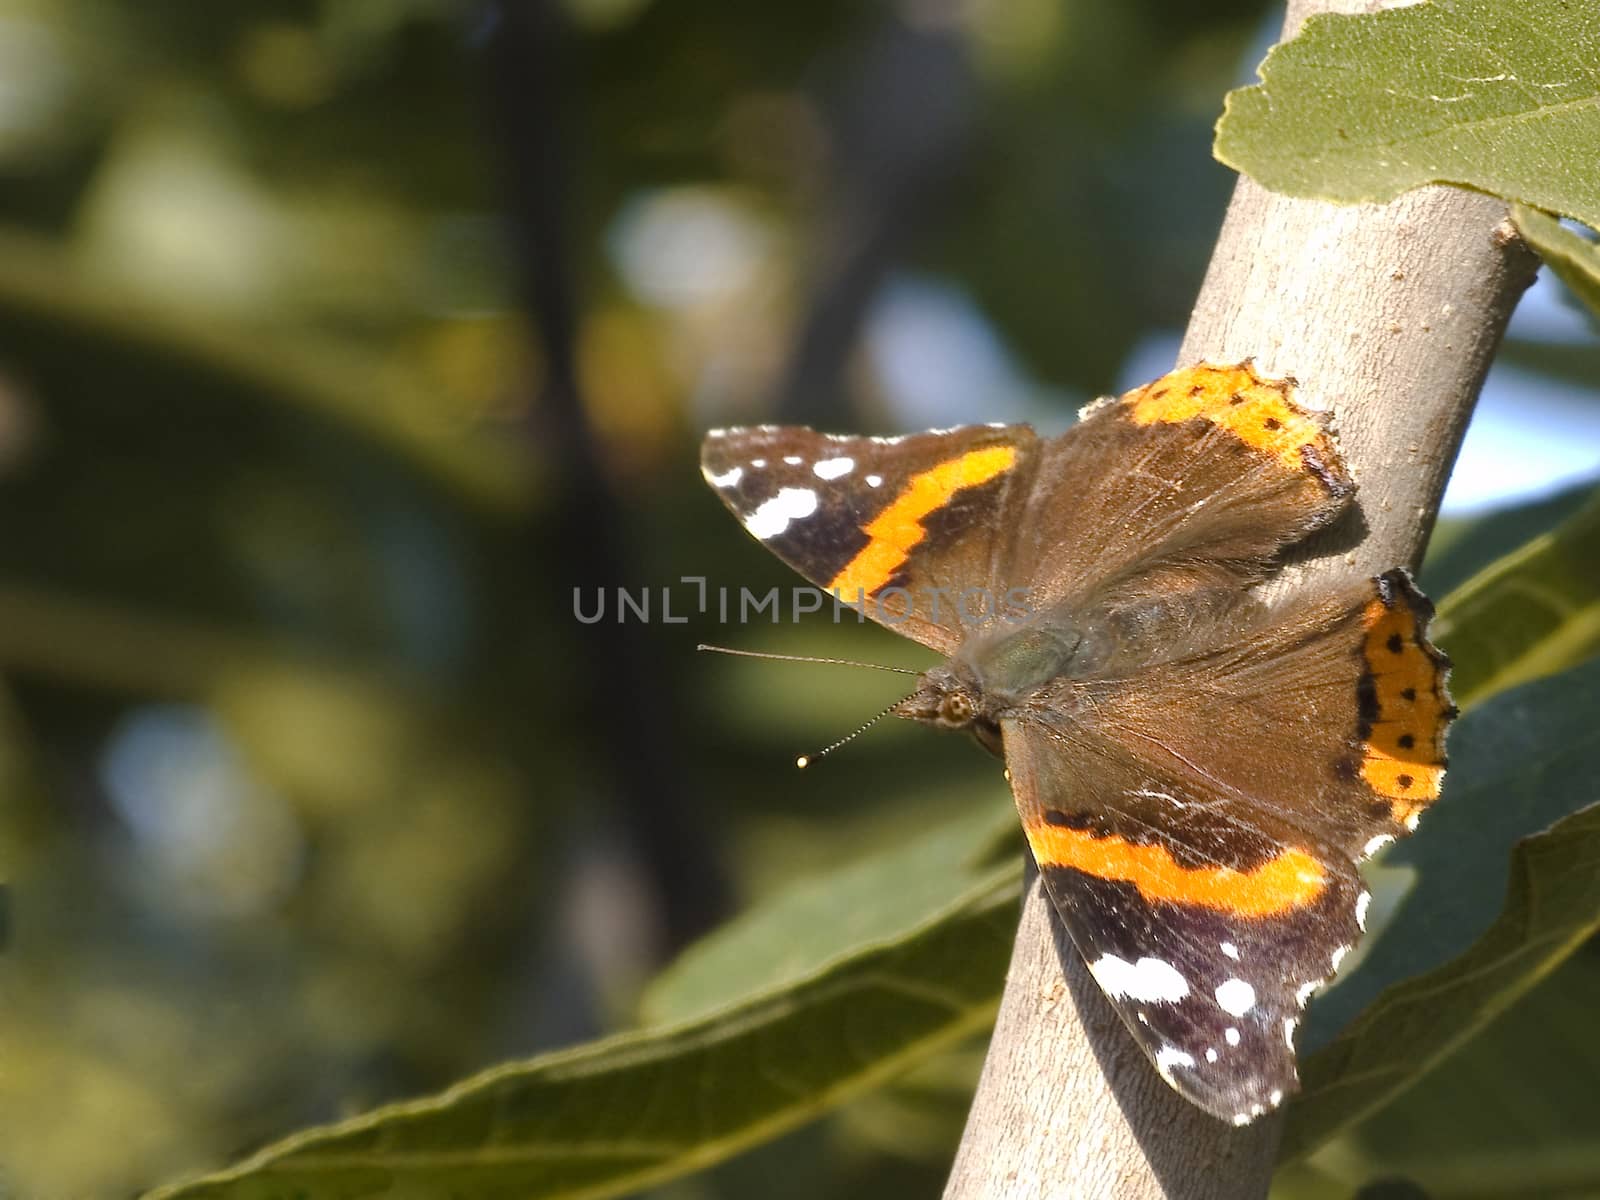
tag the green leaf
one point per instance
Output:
(1498, 95)
(1533, 613)
(634, 1110)
(1512, 1114)
(1530, 613)
(1461, 547)
(1568, 253)
(1524, 766)
(845, 912)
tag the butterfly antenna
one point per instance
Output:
(837, 662)
(805, 760)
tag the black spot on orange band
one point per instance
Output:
(1403, 708)
(1259, 412)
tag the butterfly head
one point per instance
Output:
(950, 697)
(998, 675)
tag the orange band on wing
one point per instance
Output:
(1291, 880)
(1258, 412)
(1403, 759)
(898, 528)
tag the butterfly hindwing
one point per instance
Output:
(1198, 823)
(1212, 996)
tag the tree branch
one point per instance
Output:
(1388, 315)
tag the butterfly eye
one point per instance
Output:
(958, 708)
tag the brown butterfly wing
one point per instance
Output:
(1192, 483)
(1216, 471)
(1198, 823)
(911, 528)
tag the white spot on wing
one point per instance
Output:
(1230, 950)
(1411, 821)
(758, 463)
(1232, 1035)
(1376, 844)
(1236, 997)
(1149, 979)
(1211, 1054)
(833, 468)
(794, 460)
(1170, 1056)
(1361, 908)
(874, 480)
(774, 515)
(1338, 956)
(1289, 1024)
(727, 479)
(1276, 1098)
(1305, 991)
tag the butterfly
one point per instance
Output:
(1198, 770)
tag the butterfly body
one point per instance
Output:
(1198, 771)
(994, 678)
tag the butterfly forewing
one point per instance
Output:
(1197, 480)
(908, 528)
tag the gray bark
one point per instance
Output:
(1388, 316)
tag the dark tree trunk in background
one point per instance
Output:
(619, 694)
(899, 134)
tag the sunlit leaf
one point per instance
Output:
(1569, 254)
(615, 1116)
(1515, 1113)
(1498, 95)
(1532, 613)
(1462, 547)
(844, 912)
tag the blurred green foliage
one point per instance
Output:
(313, 794)
(302, 813)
